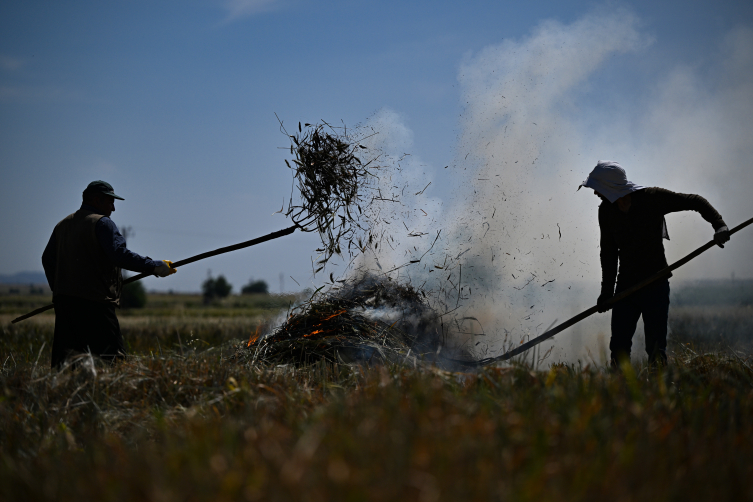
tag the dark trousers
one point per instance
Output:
(651, 302)
(85, 326)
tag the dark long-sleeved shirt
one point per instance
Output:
(113, 243)
(634, 239)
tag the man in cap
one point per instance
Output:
(632, 225)
(82, 262)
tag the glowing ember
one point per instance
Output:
(253, 338)
(334, 315)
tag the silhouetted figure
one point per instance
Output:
(632, 225)
(82, 262)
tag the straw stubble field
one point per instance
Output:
(179, 421)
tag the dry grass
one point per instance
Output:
(195, 426)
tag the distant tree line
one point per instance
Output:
(214, 289)
(133, 295)
(255, 287)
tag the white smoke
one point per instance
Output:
(407, 216)
(697, 137)
(517, 170)
(519, 247)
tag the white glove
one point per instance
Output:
(721, 236)
(164, 269)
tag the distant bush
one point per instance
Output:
(215, 288)
(255, 287)
(133, 296)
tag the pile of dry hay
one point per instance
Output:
(366, 322)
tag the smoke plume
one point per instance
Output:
(518, 248)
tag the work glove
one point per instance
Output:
(605, 296)
(721, 236)
(164, 269)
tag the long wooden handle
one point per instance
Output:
(624, 294)
(227, 249)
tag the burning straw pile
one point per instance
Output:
(366, 322)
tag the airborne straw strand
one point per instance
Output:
(332, 182)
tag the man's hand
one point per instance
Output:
(721, 236)
(164, 269)
(604, 297)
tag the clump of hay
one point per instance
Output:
(333, 182)
(368, 321)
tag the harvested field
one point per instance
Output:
(195, 426)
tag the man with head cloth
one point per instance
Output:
(632, 225)
(82, 262)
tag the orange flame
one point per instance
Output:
(253, 338)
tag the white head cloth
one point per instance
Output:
(609, 179)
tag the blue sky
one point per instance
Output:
(174, 104)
